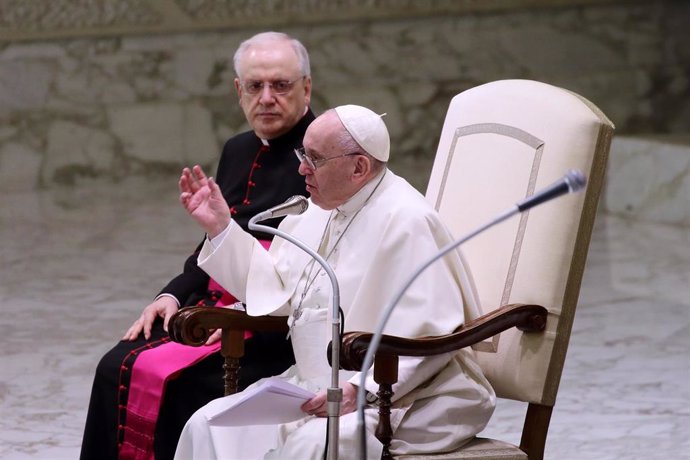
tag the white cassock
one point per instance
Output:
(374, 242)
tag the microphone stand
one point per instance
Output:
(573, 181)
(334, 394)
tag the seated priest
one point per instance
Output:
(146, 387)
(375, 230)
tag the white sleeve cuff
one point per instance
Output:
(168, 295)
(218, 239)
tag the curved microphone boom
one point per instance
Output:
(572, 181)
(293, 206)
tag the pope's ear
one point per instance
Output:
(362, 166)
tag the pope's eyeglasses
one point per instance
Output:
(314, 163)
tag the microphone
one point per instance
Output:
(294, 205)
(334, 394)
(572, 181)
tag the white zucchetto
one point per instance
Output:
(367, 128)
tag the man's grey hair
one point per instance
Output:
(264, 37)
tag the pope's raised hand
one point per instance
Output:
(203, 200)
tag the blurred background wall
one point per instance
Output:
(110, 88)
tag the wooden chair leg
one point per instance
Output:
(535, 430)
(385, 374)
(231, 375)
(232, 349)
(384, 431)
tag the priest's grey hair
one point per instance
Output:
(264, 37)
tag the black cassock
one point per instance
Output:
(253, 178)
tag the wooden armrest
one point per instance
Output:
(527, 318)
(193, 325)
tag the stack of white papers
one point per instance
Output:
(273, 401)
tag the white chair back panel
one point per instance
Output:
(497, 166)
(501, 142)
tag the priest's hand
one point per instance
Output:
(214, 337)
(318, 405)
(164, 307)
(203, 200)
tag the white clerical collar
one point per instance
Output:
(360, 198)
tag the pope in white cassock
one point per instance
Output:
(374, 229)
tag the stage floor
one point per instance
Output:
(79, 264)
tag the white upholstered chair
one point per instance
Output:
(500, 143)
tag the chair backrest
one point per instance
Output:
(501, 142)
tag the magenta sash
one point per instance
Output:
(153, 368)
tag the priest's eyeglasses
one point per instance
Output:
(314, 163)
(254, 87)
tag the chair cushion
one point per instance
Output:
(478, 448)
